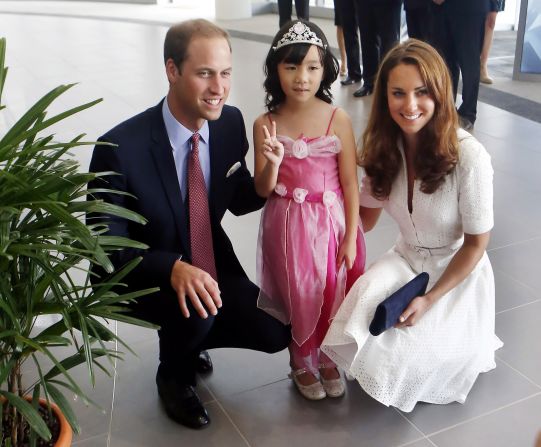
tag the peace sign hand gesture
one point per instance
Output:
(272, 149)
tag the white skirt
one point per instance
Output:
(438, 359)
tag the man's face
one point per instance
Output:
(198, 91)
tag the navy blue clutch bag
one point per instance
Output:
(388, 311)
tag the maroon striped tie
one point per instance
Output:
(200, 231)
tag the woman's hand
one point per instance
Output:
(414, 312)
(272, 149)
(347, 253)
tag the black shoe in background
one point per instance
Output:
(365, 90)
(350, 81)
(181, 403)
(204, 363)
(465, 123)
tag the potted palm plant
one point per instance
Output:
(47, 252)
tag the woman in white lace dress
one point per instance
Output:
(435, 180)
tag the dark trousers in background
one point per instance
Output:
(379, 27)
(459, 38)
(420, 23)
(285, 8)
(350, 27)
(239, 324)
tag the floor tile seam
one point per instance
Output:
(518, 281)
(482, 415)
(237, 393)
(518, 307)
(80, 441)
(235, 426)
(536, 238)
(415, 441)
(520, 373)
(214, 398)
(414, 426)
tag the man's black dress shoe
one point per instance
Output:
(204, 363)
(181, 403)
(365, 90)
(349, 81)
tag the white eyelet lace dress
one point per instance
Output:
(438, 359)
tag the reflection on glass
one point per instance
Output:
(531, 49)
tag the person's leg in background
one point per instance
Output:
(490, 24)
(340, 37)
(302, 8)
(443, 42)
(387, 13)
(284, 11)
(348, 13)
(467, 32)
(370, 45)
(419, 20)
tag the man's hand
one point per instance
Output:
(196, 285)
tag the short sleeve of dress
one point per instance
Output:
(366, 198)
(475, 194)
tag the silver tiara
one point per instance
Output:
(299, 33)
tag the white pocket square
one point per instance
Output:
(233, 169)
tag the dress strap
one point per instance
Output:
(330, 121)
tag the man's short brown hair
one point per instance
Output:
(180, 35)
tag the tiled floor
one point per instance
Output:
(252, 403)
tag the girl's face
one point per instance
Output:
(301, 82)
(410, 104)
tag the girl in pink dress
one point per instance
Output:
(311, 248)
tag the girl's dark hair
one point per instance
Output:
(437, 154)
(295, 54)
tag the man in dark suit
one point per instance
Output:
(168, 157)
(459, 29)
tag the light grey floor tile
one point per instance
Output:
(96, 441)
(516, 425)
(276, 415)
(521, 262)
(420, 443)
(154, 429)
(520, 330)
(511, 387)
(237, 370)
(511, 293)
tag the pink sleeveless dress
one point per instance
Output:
(301, 228)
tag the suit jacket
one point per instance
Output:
(144, 159)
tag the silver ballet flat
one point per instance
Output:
(315, 391)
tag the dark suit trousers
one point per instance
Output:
(379, 26)
(239, 324)
(350, 28)
(285, 10)
(419, 21)
(459, 38)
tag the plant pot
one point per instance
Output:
(66, 433)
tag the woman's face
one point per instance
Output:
(301, 82)
(410, 104)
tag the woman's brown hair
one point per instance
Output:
(437, 154)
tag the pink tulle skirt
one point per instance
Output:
(300, 282)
